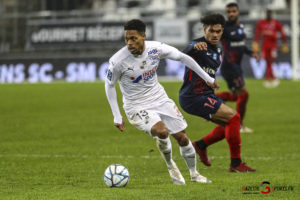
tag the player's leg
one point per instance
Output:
(203, 106)
(187, 151)
(228, 74)
(164, 145)
(238, 92)
(241, 105)
(176, 124)
(226, 96)
(163, 142)
(269, 54)
(275, 81)
(231, 119)
(150, 122)
(217, 134)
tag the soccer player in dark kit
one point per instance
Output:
(234, 47)
(197, 98)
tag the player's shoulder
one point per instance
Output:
(241, 25)
(152, 45)
(119, 56)
(277, 22)
(195, 41)
(190, 47)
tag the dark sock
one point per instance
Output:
(235, 162)
(201, 144)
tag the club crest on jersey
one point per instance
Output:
(109, 75)
(144, 64)
(240, 31)
(215, 56)
(145, 76)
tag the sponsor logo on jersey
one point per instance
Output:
(237, 44)
(154, 59)
(152, 51)
(145, 76)
(137, 79)
(209, 70)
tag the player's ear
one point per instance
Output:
(205, 28)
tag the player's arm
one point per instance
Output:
(284, 47)
(255, 45)
(111, 94)
(174, 54)
(252, 53)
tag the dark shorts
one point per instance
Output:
(201, 105)
(233, 75)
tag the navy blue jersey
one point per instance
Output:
(234, 43)
(209, 60)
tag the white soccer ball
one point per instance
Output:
(116, 175)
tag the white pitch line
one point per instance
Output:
(291, 157)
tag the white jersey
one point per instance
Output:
(137, 75)
(138, 79)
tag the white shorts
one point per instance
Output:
(167, 112)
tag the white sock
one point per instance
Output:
(165, 148)
(189, 155)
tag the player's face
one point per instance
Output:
(135, 41)
(213, 33)
(232, 14)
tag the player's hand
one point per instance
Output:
(214, 85)
(201, 46)
(255, 47)
(256, 56)
(121, 127)
(284, 48)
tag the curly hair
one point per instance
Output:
(213, 19)
(135, 24)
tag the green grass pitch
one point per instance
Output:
(56, 141)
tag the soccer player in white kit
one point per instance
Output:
(146, 103)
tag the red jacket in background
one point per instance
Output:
(268, 30)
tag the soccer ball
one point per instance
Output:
(116, 175)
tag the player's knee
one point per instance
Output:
(231, 113)
(182, 139)
(245, 94)
(162, 133)
(236, 118)
(240, 91)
